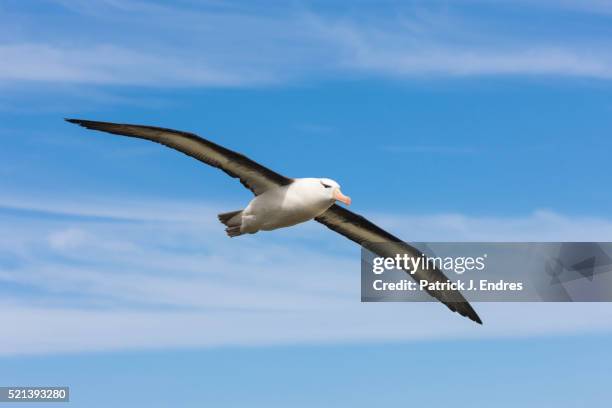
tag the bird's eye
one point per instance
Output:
(325, 185)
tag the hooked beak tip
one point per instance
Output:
(341, 197)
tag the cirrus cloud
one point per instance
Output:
(111, 277)
(157, 45)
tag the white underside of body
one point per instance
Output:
(283, 207)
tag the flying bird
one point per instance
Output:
(282, 201)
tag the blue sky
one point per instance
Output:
(443, 121)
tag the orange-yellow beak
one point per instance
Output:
(341, 197)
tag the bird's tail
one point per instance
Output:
(232, 220)
(233, 231)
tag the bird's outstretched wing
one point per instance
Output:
(252, 175)
(365, 233)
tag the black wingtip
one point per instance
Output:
(79, 122)
(92, 124)
(465, 309)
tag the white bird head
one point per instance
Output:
(332, 190)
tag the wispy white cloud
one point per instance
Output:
(426, 43)
(541, 225)
(64, 330)
(230, 45)
(111, 64)
(108, 277)
(441, 60)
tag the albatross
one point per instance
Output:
(282, 202)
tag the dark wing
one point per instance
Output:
(252, 175)
(360, 230)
